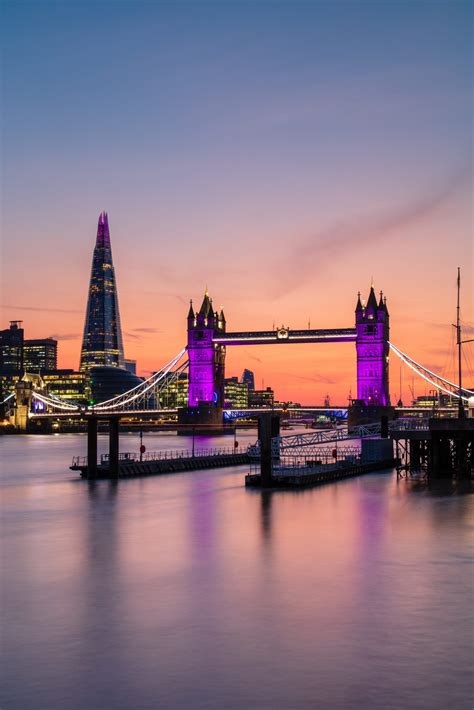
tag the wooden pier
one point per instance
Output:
(440, 448)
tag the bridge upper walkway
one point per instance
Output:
(286, 335)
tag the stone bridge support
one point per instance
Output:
(24, 397)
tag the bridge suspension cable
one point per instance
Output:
(139, 391)
(55, 402)
(7, 398)
(437, 381)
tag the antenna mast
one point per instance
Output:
(459, 344)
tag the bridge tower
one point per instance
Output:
(372, 344)
(24, 397)
(206, 366)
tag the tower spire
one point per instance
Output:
(102, 341)
(371, 301)
(103, 234)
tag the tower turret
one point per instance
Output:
(221, 320)
(372, 344)
(371, 307)
(359, 309)
(206, 358)
(191, 315)
(210, 314)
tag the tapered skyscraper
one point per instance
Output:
(102, 342)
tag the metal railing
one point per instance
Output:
(134, 457)
(409, 425)
(304, 466)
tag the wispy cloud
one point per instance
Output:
(140, 333)
(319, 379)
(146, 330)
(65, 336)
(39, 309)
(252, 357)
(313, 254)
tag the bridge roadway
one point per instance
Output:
(234, 413)
(142, 413)
(286, 335)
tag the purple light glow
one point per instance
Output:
(372, 326)
(206, 358)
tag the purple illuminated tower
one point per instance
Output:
(206, 358)
(372, 344)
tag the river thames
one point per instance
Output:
(189, 591)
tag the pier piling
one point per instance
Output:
(114, 446)
(92, 447)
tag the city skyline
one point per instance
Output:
(283, 185)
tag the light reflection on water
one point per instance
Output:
(189, 591)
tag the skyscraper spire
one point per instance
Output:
(102, 342)
(103, 235)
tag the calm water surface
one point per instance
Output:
(188, 591)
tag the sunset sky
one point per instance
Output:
(282, 154)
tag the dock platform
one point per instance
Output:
(161, 463)
(306, 477)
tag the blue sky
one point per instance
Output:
(232, 143)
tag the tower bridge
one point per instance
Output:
(287, 335)
(204, 359)
(208, 339)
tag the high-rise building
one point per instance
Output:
(262, 398)
(102, 342)
(69, 385)
(130, 365)
(11, 348)
(248, 378)
(236, 394)
(174, 391)
(40, 355)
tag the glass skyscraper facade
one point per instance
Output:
(40, 355)
(11, 348)
(102, 343)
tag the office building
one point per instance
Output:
(262, 398)
(69, 385)
(40, 355)
(11, 348)
(248, 378)
(131, 366)
(236, 394)
(174, 392)
(102, 342)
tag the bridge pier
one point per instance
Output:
(114, 423)
(24, 396)
(92, 447)
(268, 427)
(415, 454)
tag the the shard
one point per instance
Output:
(102, 342)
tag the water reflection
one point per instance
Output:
(266, 514)
(188, 590)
